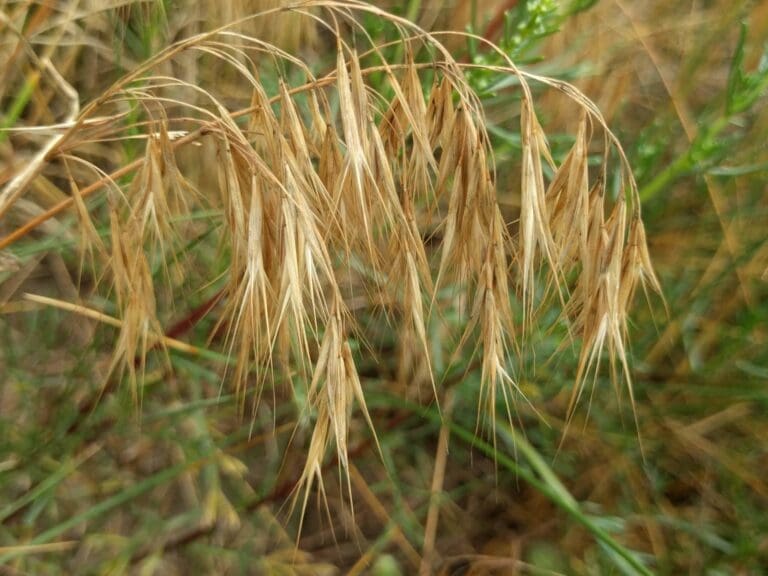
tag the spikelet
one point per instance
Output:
(135, 296)
(536, 241)
(159, 193)
(335, 387)
(90, 243)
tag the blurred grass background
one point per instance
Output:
(89, 486)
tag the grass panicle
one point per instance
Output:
(332, 186)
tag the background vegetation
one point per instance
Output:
(161, 467)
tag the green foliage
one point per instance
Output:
(745, 88)
(524, 28)
(140, 30)
(721, 129)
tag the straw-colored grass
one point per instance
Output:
(337, 184)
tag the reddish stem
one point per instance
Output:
(494, 27)
(192, 318)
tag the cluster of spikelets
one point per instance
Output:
(331, 189)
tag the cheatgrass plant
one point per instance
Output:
(334, 191)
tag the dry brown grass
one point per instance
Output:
(332, 189)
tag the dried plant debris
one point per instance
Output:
(355, 182)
